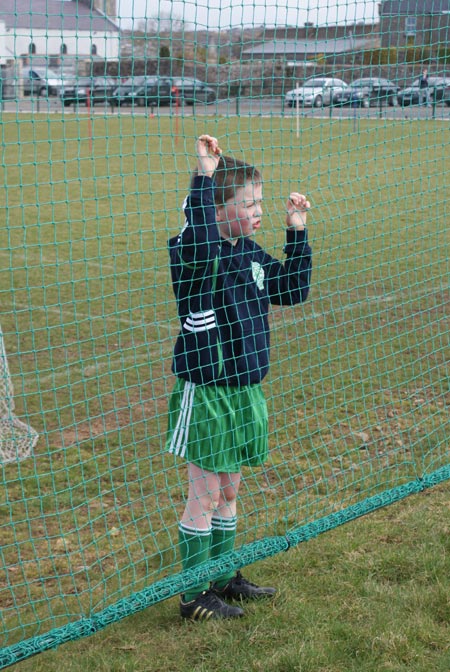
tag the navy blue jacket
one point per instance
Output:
(223, 292)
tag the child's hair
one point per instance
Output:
(231, 174)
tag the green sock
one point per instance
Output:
(194, 549)
(223, 538)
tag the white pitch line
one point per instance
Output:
(77, 314)
(167, 324)
(87, 371)
(54, 262)
(40, 260)
(166, 350)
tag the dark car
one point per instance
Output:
(193, 91)
(438, 90)
(144, 90)
(99, 90)
(173, 90)
(155, 91)
(368, 92)
(124, 94)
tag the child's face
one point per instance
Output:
(241, 216)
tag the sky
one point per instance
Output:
(215, 14)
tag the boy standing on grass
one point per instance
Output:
(223, 283)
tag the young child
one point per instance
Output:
(223, 283)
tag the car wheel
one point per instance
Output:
(318, 101)
(447, 102)
(365, 103)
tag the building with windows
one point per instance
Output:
(46, 29)
(419, 23)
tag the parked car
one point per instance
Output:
(193, 91)
(100, 90)
(367, 92)
(154, 91)
(315, 92)
(439, 91)
(124, 94)
(41, 82)
(145, 91)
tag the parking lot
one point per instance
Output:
(261, 106)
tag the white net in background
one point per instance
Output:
(17, 439)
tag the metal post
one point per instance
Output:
(238, 95)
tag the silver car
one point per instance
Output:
(315, 92)
(41, 82)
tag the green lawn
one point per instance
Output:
(365, 597)
(358, 389)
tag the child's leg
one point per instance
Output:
(231, 585)
(195, 525)
(224, 522)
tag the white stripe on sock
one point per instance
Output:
(224, 524)
(194, 530)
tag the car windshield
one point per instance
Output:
(360, 83)
(45, 73)
(187, 82)
(134, 81)
(314, 83)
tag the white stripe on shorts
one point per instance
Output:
(178, 444)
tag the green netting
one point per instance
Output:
(93, 186)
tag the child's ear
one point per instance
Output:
(220, 211)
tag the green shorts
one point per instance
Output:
(220, 429)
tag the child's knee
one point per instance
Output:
(209, 502)
(228, 495)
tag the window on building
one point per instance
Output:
(63, 49)
(94, 50)
(32, 48)
(411, 26)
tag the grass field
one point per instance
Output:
(366, 597)
(358, 390)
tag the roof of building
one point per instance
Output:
(414, 7)
(53, 15)
(278, 48)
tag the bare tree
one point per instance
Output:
(162, 23)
